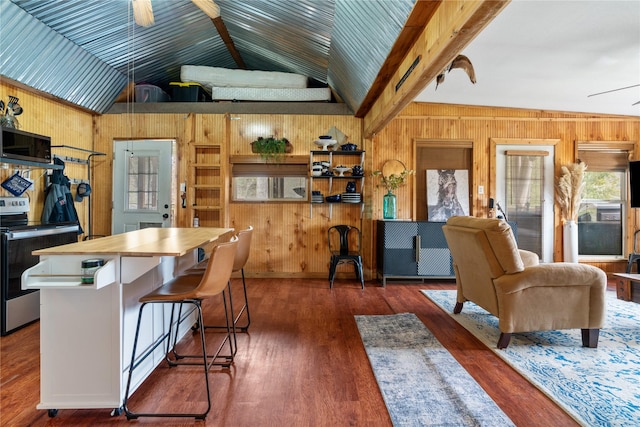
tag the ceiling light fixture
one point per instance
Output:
(143, 12)
(211, 9)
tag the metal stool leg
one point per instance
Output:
(134, 415)
(245, 307)
(231, 338)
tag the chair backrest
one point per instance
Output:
(244, 246)
(219, 267)
(636, 237)
(482, 250)
(344, 239)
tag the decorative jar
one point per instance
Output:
(389, 206)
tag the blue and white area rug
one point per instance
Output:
(597, 387)
(421, 382)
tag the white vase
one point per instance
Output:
(570, 241)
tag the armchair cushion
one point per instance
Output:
(529, 258)
(500, 238)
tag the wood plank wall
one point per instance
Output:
(66, 126)
(289, 241)
(482, 124)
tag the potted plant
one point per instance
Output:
(271, 148)
(391, 180)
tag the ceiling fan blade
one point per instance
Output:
(143, 12)
(613, 90)
(636, 103)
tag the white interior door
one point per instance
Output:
(524, 190)
(142, 185)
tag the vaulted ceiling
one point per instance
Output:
(375, 55)
(340, 43)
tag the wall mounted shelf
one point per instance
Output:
(39, 165)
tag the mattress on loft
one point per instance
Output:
(270, 94)
(226, 77)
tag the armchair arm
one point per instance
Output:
(529, 258)
(552, 296)
(559, 274)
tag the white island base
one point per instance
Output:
(87, 330)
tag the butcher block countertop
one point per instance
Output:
(145, 242)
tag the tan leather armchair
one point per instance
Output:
(511, 284)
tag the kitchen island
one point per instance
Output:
(87, 329)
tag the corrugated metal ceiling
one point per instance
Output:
(337, 42)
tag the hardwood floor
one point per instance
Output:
(301, 364)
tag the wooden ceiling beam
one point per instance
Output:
(449, 29)
(226, 38)
(417, 20)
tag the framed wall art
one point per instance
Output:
(447, 193)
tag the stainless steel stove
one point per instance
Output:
(20, 238)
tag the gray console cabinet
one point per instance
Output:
(412, 250)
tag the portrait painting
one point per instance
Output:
(447, 193)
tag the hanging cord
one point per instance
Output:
(131, 36)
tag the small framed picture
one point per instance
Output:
(447, 193)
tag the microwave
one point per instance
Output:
(19, 145)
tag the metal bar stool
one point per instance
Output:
(189, 289)
(242, 255)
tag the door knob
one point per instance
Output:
(165, 216)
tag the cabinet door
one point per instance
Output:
(434, 257)
(399, 256)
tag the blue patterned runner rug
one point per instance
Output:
(597, 387)
(421, 383)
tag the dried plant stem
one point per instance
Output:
(569, 189)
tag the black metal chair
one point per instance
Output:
(345, 242)
(189, 289)
(635, 255)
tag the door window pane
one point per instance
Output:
(524, 199)
(142, 179)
